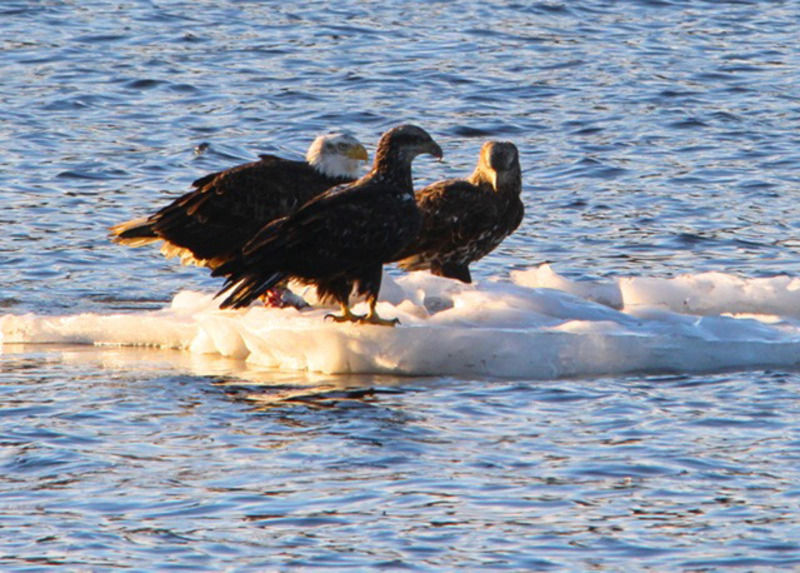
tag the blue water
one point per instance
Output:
(656, 138)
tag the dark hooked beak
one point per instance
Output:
(434, 149)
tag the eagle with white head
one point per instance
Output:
(227, 208)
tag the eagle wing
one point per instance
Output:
(342, 228)
(227, 208)
(455, 214)
(346, 233)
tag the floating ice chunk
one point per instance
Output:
(538, 325)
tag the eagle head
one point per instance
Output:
(404, 142)
(498, 164)
(337, 155)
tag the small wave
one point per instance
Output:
(144, 83)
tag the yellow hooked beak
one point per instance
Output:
(358, 152)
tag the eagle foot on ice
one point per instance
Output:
(371, 318)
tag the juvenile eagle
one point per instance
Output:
(341, 238)
(227, 208)
(465, 219)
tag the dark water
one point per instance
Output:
(121, 459)
(656, 138)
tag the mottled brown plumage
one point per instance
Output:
(228, 207)
(463, 220)
(341, 238)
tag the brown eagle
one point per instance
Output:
(225, 210)
(341, 238)
(463, 220)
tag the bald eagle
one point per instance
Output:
(341, 238)
(227, 208)
(463, 220)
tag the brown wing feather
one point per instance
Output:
(227, 208)
(342, 238)
(342, 235)
(462, 223)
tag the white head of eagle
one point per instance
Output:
(337, 155)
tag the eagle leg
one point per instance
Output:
(346, 315)
(373, 318)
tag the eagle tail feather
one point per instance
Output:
(242, 291)
(414, 263)
(134, 233)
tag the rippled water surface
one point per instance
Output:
(656, 138)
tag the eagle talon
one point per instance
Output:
(369, 318)
(378, 321)
(345, 317)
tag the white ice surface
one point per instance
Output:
(536, 325)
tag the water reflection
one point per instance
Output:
(178, 456)
(656, 138)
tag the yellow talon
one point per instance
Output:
(346, 316)
(370, 318)
(373, 318)
(378, 321)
